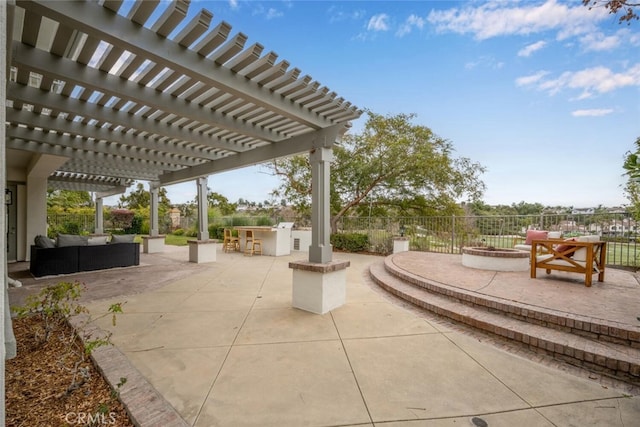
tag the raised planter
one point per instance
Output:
(495, 259)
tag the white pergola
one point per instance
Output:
(98, 97)
(151, 94)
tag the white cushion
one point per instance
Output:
(593, 238)
(71, 240)
(554, 235)
(122, 238)
(543, 257)
(97, 240)
(566, 263)
(523, 247)
(581, 254)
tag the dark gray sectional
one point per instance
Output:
(73, 259)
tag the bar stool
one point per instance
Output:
(230, 242)
(252, 244)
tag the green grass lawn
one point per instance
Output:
(174, 240)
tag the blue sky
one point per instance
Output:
(545, 94)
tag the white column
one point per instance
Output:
(320, 249)
(36, 208)
(99, 216)
(5, 327)
(154, 188)
(203, 219)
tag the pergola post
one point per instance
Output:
(154, 242)
(99, 216)
(203, 218)
(320, 249)
(319, 285)
(202, 249)
(153, 211)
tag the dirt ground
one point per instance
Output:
(41, 389)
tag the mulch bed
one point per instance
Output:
(38, 380)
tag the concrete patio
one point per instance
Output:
(222, 346)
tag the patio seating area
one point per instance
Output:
(204, 346)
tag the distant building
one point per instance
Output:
(583, 211)
(174, 214)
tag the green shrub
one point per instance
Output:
(240, 221)
(178, 232)
(216, 232)
(264, 220)
(136, 225)
(350, 242)
(70, 227)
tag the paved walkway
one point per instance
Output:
(222, 344)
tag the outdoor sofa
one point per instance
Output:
(73, 254)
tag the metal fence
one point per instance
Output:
(451, 234)
(71, 223)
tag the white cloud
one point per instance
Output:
(233, 4)
(495, 19)
(378, 22)
(588, 81)
(413, 21)
(337, 14)
(270, 13)
(486, 62)
(533, 47)
(532, 79)
(596, 112)
(598, 41)
(274, 13)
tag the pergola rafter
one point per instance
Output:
(171, 95)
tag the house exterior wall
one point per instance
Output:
(36, 209)
(21, 245)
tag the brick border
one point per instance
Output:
(144, 404)
(576, 342)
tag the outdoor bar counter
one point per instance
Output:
(276, 241)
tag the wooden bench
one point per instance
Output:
(583, 257)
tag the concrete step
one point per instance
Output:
(534, 327)
(590, 327)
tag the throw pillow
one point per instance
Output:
(564, 247)
(72, 240)
(123, 238)
(535, 235)
(97, 240)
(44, 242)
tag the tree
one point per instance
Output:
(631, 166)
(392, 167)
(217, 200)
(523, 208)
(67, 199)
(616, 6)
(141, 198)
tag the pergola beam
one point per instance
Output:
(296, 145)
(105, 134)
(72, 72)
(121, 32)
(33, 96)
(20, 135)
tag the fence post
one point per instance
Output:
(453, 233)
